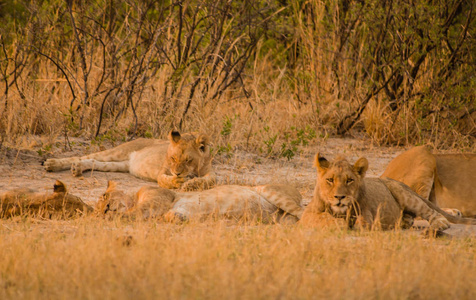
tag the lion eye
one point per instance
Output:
(350, 180)
(330, 180)
(174, 159)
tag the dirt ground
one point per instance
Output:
(23, 168)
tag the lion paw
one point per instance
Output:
(52, 165)
(191, 185)
(174, 217)
(76, 169)
(197, 184)
(177, 182)
(406, 221)
(430, 233)
(439, 223)
(169, 182)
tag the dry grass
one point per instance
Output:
(116, 260)
(279, 91)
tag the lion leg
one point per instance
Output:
(284, 197)
(59, 164)
(200, 183)
(78, 167)
(117, 154)
(411, 202)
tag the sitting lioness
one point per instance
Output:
(182, 162)
(343, 191)
(445, 179)
(267, 203)
(27, 202)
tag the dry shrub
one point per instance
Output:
(400, 72)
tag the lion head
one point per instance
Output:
(338, 183)
(62, 200)
(188, 155)
(113, 200)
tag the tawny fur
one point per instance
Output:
(343, 191)
(267, 203)
(184, 161)
(445, 179)
(58, 205)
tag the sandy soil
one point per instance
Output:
(23, 168)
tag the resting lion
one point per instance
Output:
(447, 180)
(58, 205)
(267, 203)
(182, 162)
(343, 191)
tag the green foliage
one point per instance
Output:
(44, 150)
(110, 136)
(226, 149)
(296, 137)
(225, 133)
(227, 125)
(291, 140)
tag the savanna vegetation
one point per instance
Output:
(272, 77)
(265, 76)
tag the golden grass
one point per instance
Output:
(91, 258)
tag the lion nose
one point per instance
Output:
(339, 197)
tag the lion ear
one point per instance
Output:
(174, 136)
(361, 166)
(202, 142)
(321, 163)
(111, 185)
(59, 187)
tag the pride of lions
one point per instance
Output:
(437, 188)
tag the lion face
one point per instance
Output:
(338, 182)
(187, 154)
(113, 200)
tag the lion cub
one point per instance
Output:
(267, 203)
(27, 202)
(184, 161)
(343, 191)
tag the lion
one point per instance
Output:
(447, 180)
(266, 203)
(27, 202)
(381, 203)
(184, 161)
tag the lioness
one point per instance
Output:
(27, 202)
(267, 203)
(343, 191)
(182, 162)
(445, 179)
